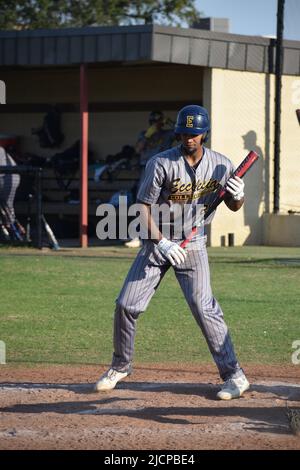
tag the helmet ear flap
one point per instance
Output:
(205, 138)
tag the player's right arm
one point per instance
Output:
(150, 229)
(171, 250)
(148, 194)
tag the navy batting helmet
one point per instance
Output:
(192, 119)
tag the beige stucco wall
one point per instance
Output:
(242, 104)
(281, 229)
(239, 109)
(290, 146)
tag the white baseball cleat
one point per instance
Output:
(134, 243)
(109, 380)
(233, 388)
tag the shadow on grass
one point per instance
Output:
(267, 262)
(130, 255)
(110, 257)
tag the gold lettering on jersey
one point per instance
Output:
(175, 185)
(188, 197)
(189, 121)
(179, 197)
(207, 186)
(180, 191)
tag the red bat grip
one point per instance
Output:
(189, 237)
(246, 164)
(240, 171)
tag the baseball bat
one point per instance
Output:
(19, 227)
(50, 234)
(12, 218)
(298, 115)
(28, 221)
(241, 170)
(3, 228)
(16, 228)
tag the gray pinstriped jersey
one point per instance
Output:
(170, 179)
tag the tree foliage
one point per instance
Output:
(33, 14)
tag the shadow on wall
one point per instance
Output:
(254, 192)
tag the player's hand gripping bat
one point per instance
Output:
(240, 171)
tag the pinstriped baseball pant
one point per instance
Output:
(193, 275)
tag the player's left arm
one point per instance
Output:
(234, 198)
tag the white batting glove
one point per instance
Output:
(173, 252)
(235, 186)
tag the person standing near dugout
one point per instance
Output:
(190, 173)
(9, 184)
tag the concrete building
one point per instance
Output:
(133, 70)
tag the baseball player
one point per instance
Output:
(8, 183)
(191, 174)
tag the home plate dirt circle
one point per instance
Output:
(159, 406)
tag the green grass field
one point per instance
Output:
(58, 308)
